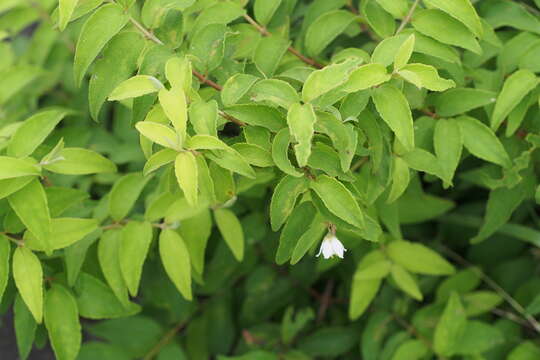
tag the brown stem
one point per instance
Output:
(325, 300)
(290, 49)
(498, 289)
(207, 81)
(164, 340)
(231, 118)
(407, 17)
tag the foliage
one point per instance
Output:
(169, 168)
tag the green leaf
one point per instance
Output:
(208, 46)
(206, 142)
(159, 159)
(62, 322)
(134, 245)
(400, 178)
(236, 87)
(13, 168)
(458, 101)
(204, 117)
(64, 232)
(259, 115)
(425, 76)
(502, 202)
(34, 131)
(338, 199)
(309, 238)
(178, 73)
(95, 300)
(321, 81)
(404, 53)
(284, 199)
(406, 282)
(16, 79)
(411, 350)
(268, 54)
(394, 110)
(264, 10)
(25, 327)
(366, 76)
(274, 91)
(325, 29)
(30, 205)
(376, 270)
(254, 154)
(9, 186)
(418, 258)
(527, 350)
(125, 193)
(280, 153)
(28, 276)
(422, 160)
(364, 291)
(233, 161)
(160, 134)
(450, 328)
(118, 62)
(98, 29)
(136, 86)
(301, 119)
(108, 253)
(448, 144)
(196, 231)
(378, 19)
(479, 337)
(515, 87)
(230, 228)
(79, 161)
(461, 10)
(444, 28)
(331, 341)
(505, 13)
(480, 302)
(176, 261)
(185, 168)
(174, 105)
(65, 10)
(398, 8)
(5, 250)
(299, 219)
(482, 142)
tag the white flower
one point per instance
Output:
(331, 246)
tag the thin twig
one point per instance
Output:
(207, 81)
(407, 17)
(498, 289)
(290, 49)
(325, 300)
(197, 74)
(231, 118)
(164, 340)
(145, 32)
(412, 330)
(19, 242)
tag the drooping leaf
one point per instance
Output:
(28, 275)
(62, 322)
(98, 29)
(176, 261)
(394, 109)
(230, 228)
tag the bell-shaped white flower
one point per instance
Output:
(331, 246)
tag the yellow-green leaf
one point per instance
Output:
(175, 258)
(230, 228)
(185, 168)
(28, 276)
(135, 86)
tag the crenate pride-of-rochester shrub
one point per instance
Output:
(269, 179)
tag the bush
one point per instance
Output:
(270, 179)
